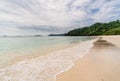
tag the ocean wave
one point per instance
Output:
(45, 68)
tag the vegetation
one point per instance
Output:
(115, 31)
(111, 28)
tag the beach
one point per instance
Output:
(90, 60)
(14, 49)
(40, 66)
(102, 63)
(59, 40)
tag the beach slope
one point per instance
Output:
(102, 63)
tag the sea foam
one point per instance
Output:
(45, 68)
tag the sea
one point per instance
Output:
(40, 58)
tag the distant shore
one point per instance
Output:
(102, 63)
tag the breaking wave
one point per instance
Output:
(45, 68)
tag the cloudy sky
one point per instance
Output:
(27, 17)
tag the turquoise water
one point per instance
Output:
(47, 67)
(21, 43)
(14, 47)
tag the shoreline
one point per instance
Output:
(36, 53)
(57, 63)
(98, 64)
(95, 64)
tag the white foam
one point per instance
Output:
(45, 68)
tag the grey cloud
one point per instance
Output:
(55, 15)
(43, 29)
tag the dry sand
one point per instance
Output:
(101, 64)
(113, 39)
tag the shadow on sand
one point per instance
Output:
(100, 43)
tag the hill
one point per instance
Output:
(111, 28)
(115, 31)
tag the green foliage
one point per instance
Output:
(115, 31)
(97, 29)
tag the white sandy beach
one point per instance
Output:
(102, 63)
(83, 62)
(115, 39)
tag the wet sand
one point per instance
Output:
(34, 53)
(45, 68)
(102, 63)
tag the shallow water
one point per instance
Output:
(45, 68)
(25, 43)
(13, 47)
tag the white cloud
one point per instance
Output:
(107, 11)
(59, 14)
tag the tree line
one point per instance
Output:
(111, 28)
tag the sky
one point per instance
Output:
(32, 17)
